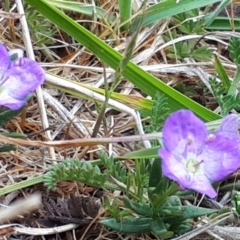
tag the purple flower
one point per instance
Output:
(194, 158)
(18, 78)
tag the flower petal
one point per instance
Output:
(10, 102)
(201, 184)
(183, 130)
(229, 125)
(172, 167)
(176, 171)
(221, 157)
(4, 60)
(23, 76)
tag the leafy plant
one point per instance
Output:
(187, 48)
(225, 92)
(189, 22)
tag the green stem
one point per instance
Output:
(20, 185)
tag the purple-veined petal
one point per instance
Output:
(229, 126)
(4, 61)
(10, 102)
(176, 171)
(200, 183)
(23, 76)
(183, 131)
(221, 157)
(173, 168)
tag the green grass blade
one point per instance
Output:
(222, 73)
(224, 24)
(170, 8)
(209, 18)
(125, 10)
(143, 80)
(87, 9)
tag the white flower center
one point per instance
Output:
(193, 163)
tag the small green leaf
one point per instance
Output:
(8, 115)
(142, 154)
(139, 208)
(158, 227)
(234, 49)
(14, 135)
(222, 73)
(236, 201)
(7, 148)
(156, 173)
(201, 53)
(128, 225)
(193, 211)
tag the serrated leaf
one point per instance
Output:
(234, 50)
(184, 52)
(202, 52)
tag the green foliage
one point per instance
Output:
(222, 74)
(143, 153)
(226, 93)
(42, 30)
(135, 181)
(84, 8)
(7, 115)
(191, 26)
(223, 24)
(234, 50)
(187, 48)
(125, 11)
(167, 8)
(140, 78)
(165, 218)
(169, 220)
(113, 209)
(81, 171)
(7, 148)
(211, 16)
(159, 112)
(129, 224)
(235, 200)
